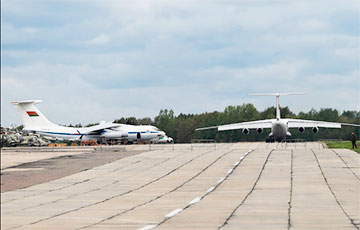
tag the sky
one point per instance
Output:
(94, 60)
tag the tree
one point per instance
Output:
(128, 121)
(328, 115)
(268, 113)
(145, 121)
(166, 122)
(91, 124)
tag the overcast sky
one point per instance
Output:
(93, 60)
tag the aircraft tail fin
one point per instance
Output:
(276, 94)
(31, 115)
(277, 99)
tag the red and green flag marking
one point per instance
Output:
(32, 113)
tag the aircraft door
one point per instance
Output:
(138, 135)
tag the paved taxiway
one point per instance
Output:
(235, 186)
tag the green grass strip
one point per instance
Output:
(339, 145)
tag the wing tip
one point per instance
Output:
(205, 128)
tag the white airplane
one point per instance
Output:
(279, 126)
(36, 122)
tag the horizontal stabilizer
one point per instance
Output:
(26, 102)
(276, 94)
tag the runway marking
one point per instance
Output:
(194, 201)
(148, 227)
(173, 213)
(20, 169)
(211, 189)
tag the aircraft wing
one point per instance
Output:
(100, 127)
(243, 125)
(296, 123)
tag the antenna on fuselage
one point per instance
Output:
(277, 95)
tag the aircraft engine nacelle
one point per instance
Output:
(245, 131)
(315, 129)
(301, 129)
(260, 130)
(114, 135)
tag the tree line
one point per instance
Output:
(182, 127)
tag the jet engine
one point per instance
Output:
(245, 131)
(114, 134)
(260, 130)
(301, 129)
(315, 129)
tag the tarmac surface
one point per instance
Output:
(227, 186)
(42, 169)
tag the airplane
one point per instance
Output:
(279, 126)
(35, 122)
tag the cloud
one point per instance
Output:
(133, 58)
(98, 40)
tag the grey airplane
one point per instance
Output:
(279, 126)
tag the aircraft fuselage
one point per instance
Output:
(279, 130)
(129, 132)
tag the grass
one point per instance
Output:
(339, 145)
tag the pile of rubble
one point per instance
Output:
(13, 137)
